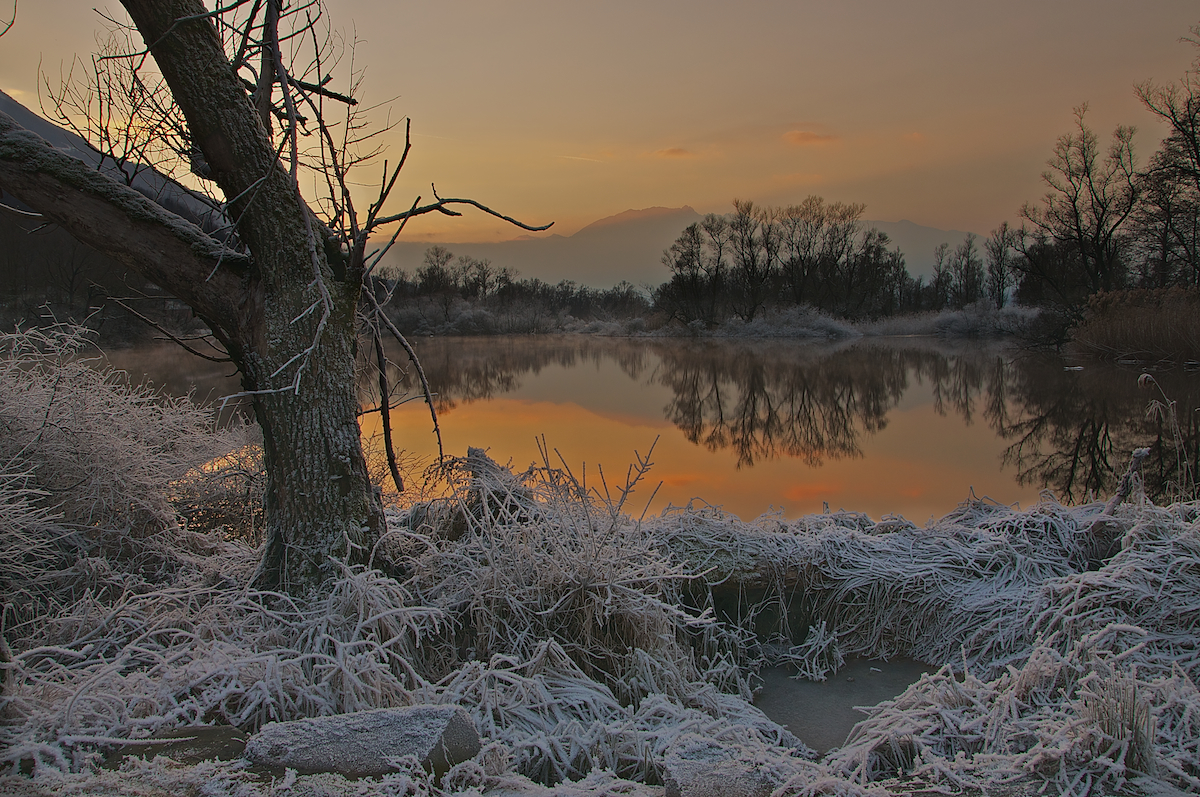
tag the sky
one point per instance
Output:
(942, 112)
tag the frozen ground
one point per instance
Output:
(582, 641)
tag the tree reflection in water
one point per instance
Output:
(765, 400)
(1070, 431)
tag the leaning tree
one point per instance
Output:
(279, 280)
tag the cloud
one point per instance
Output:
(674, 152)
(684, 479)
(915, 138)
(807, 138)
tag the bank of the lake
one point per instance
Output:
(584, 642)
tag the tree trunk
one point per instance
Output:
(285, 313)
(320, 503)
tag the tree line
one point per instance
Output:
(1105, 224)
(816, 253)
(447, 293)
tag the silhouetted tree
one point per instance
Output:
(754, 241)
(966, 273)
(999, 278)
(1085, 212)
(684, 295)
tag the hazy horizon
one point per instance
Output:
(628, 246)
(934, 111)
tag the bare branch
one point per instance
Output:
(170, 335)
(442, 206)
(385, 408)
(412, 356)
(121, 222)
(215, 13)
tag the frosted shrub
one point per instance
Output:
(86, 461)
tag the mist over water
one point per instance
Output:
(883, 426)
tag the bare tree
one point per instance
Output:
(716, 270)
(754, 238)
(999, 279)
(943, 277)
(967, 273)
(803, 231)
(1089, 202)
(1169, 221)
(685, 259)
(281, 285)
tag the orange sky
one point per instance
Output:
(938, 111)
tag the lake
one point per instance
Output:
(907, 426)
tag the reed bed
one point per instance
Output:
(585, 641)
(1142, 324)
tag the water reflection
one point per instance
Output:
(1070, 431)
(462, 370)
(760, 403)
(1073, 431)
(769, 400)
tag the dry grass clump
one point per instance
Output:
(99, 446)
(520, 559)
(891, 588)
(1142, 324)
(85, 464)
(1074, 672)
(225, 494)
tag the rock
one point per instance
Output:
(695, 766)
(359, 745)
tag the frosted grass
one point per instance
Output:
(570, 629)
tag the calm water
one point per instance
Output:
(906, 427)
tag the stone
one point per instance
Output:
(360, 744)
(696, 766)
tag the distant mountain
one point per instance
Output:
(629, 246)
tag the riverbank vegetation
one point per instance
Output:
(585, 638)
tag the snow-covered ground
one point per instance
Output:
(583, 641)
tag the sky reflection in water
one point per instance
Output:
(905, 427)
